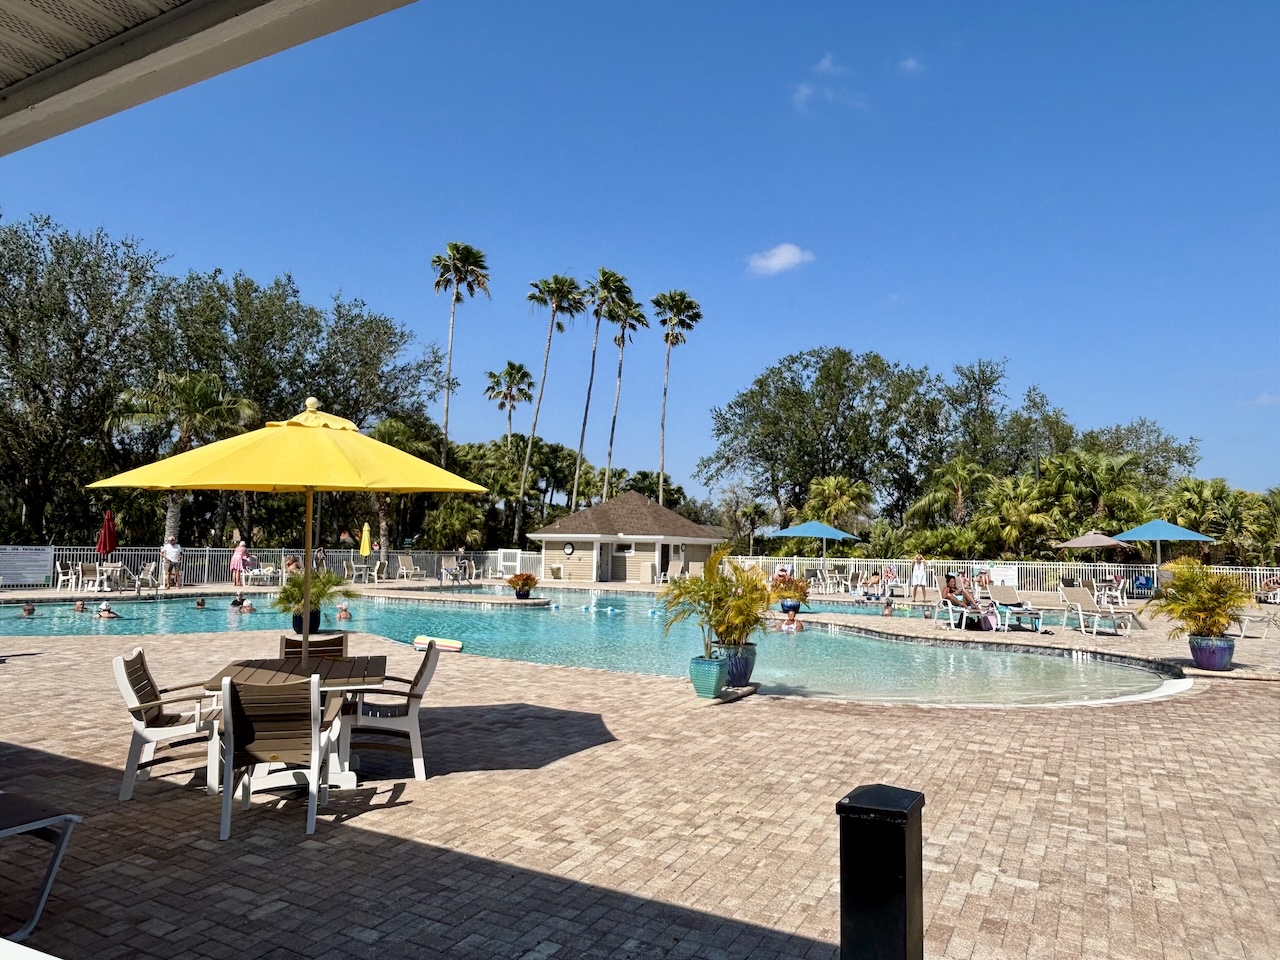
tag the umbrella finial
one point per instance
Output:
(313, 403)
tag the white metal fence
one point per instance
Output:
(206, 565)
(212, 565)
(1031, 575)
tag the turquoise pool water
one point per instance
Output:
(623, 632)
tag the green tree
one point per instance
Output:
(838, 502)
(648, 483)
(195, 408)
(975, 400)
(511, 385)
(564, 298)
(460, 267)
(1159, 458)
(402, 436)
(949, 494)
(753, 515)
(605, 293)
(76, 311)
(1015, 517)
(629, 316)
(678, 313)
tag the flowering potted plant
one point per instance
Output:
(791, 591)
(522, 583)
(729, 603)
(1202, 605)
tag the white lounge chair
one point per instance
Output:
(1081, 602)
(406, 569)
(956, 616)
(1010, 607)
(396, 714)
(154, 725)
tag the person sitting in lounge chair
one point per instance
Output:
(957, 595)
(871, 586)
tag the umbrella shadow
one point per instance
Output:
(500, 736)
(6, 657)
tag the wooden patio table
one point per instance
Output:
(337, 675)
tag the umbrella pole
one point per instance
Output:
(306, 584)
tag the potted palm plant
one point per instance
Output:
(326, 587)
(729, 603)
(1202, 604)
(522, 584)
(791, 591)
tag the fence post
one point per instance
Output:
(881, 874)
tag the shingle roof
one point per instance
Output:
(631, 514)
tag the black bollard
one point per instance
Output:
(881, 874)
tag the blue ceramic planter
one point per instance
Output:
(790, 606)
(1212, 653)
(708, 676)
(741, 661)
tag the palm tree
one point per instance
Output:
(606, 291)
(753, 515)
(196, 408)
(678, 313)
(461, 267)
(1015, 515)
(509, 386)
(629, 316)
(950, 489)
(565, 299)
(838, 501)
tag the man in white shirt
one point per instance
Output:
(172, 554)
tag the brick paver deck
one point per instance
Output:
(575, 813)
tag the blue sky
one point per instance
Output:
(1091, 190)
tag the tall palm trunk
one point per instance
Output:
(510, 411)
(662, 427)
(533, 428)
(617, 395)
(448, 378)
(173, 512)
(582, 438)
(220, 519)
(382, 502)
(244, 518)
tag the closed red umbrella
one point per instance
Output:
(107, 541)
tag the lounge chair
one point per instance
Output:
(673, 571)
(272, 723)
(1267, 620)
(1267, 596)
(379, 572)
(1086, 608)
(406, 569)
(695, 568)
(146, 577)
(956, 616)
(154, 726)
(399, 717)
(265, 574)
(19, 815)
(329, 645)
(1011, 607)
(1064, 583)
(89, 578)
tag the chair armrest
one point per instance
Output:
(395, 680)
(165, 701)
(332, 710)
(183, 686)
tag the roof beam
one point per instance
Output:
(193, 42)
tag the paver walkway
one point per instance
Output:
(575, 813)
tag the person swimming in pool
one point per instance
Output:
(791, 624)
(79, 607)
(344, 613)
(28, 610)
(200, 604)
(105, 612)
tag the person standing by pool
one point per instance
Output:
(919, 578)
(238, 557)
(172, 554)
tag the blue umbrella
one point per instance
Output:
(815, 529)
(1158, 530)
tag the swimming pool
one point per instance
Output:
(623, 632)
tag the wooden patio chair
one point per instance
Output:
(160, 735)
(399, 717)
(22, 815)
(332, 646)
(276, 723)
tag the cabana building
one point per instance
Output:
(629, 539)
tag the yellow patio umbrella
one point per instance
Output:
(313, 451)
(365, 548)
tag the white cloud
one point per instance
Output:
(911, 66)
(828, 66)
(783, 257)
(1265, 400)
(802, 94)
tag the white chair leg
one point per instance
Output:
(148, 754)
(131, 766)
(213, 764)
(228, 795)
(313, 791)
(415, 745)
(246, 788)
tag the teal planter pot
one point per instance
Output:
(708, 676)
(1212, 653)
